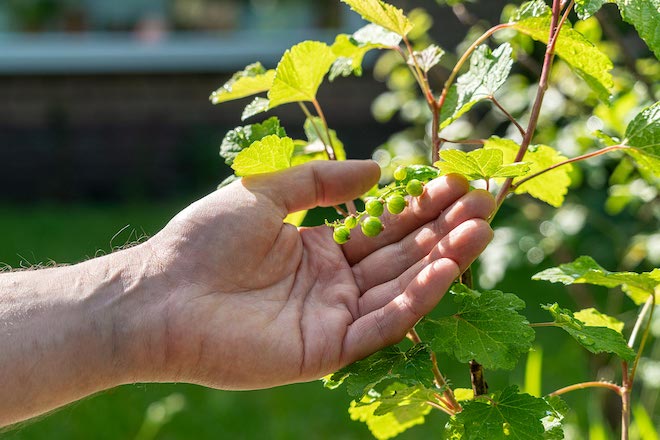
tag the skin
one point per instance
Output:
(228, 296)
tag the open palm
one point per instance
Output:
(261, 303)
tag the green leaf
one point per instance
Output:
(508, 415)
(586, 8)
(594, 339)
(241, 138)
(553, 422)
(486, 328)
(423, 173)
(479, 164)
(585, 59)
(427, 58)
(300, 73)
(378, 36)
(643, 14)
(489, 70)
(584, 270)
(398, 408)
(550, 187)
(249, 81)
(413, 367)
(296, 218)
(258, 105)
(593, 318)
(272, 153)
(382, 14)
(313, 128)
(643, 134)
(531, 9)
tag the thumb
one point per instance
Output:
(316, 183)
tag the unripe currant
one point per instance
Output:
(350, 222)
(400, 173)
(371, 226)
(374, 207)
(341, 234)
(396, 204)
(415, 188)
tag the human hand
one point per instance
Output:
(246, 301)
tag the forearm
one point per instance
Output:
(68, 332)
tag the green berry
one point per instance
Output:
(341, 235)
(350, 222)
(371, 226)
(396, 204)
(415, 188)
(400, 173)
(374, 207)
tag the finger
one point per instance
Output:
(438, 195)
(316, 183)
(389, 262)
(389, 324)
(462, 245)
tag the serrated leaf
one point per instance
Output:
(272, 153)
(550, 187)
(509, 415)
(585, 270)
(427, 58)
(584, 58)
(586, 8)
(486, 328)
(552, 423)
(643, 134)
(240, 138)
(397, 409)
(258, 105)
(249, 81)
(375, 35)
(594, 318)
(382, 14)
(531, 9)
(412, 367)
(300, 73)
(489, 70)
(423, 173)
(594, 339)
(479, 164)
(643, 15)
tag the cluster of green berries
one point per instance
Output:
(392, 199)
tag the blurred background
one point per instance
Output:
(106, 132)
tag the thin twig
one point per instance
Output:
(508, 115)
(464, 141)
(584, 385)
(566, 162)
(650, 307)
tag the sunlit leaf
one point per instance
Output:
(594, 318)
(584, 58)
(479, 164)
(550, 187)
(427, 58)
(240, 138)
(489, 70)
(643, 134)
(249, 81)
(382, 14)
(300, 72)
(585, 270)
(643, 15)
(398, 408)
(272, 153)
(594, 339)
